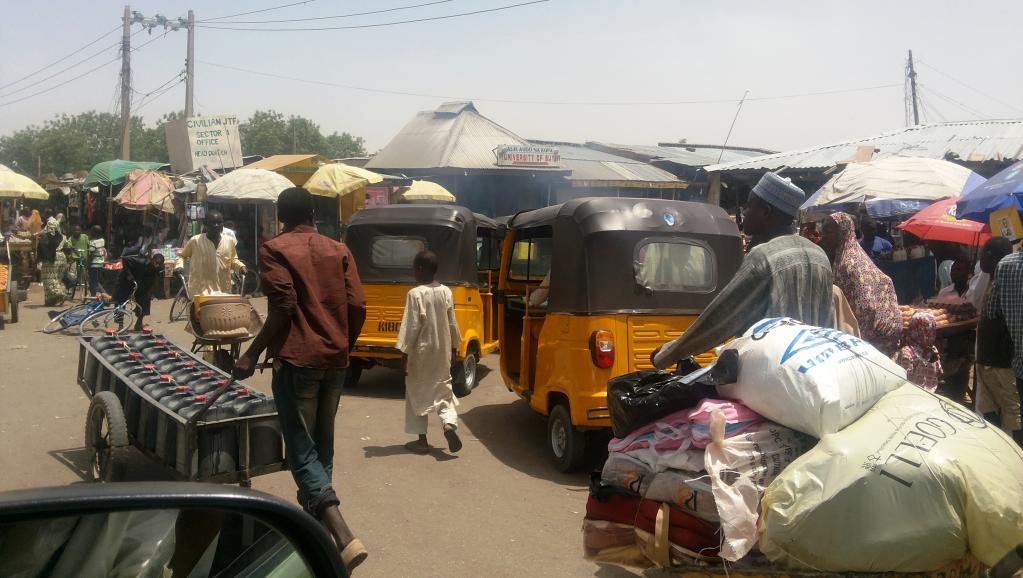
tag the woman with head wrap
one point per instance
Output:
(870, 293)
(54, 263)
(918, 356)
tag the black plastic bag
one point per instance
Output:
(637, 399)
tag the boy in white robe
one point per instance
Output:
(428, 340)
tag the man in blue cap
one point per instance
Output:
(783, 275)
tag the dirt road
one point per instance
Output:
(495, 509)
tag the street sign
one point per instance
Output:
(527, 156)
(213, 141)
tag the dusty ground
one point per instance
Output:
(495, 509)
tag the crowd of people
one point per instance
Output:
(831, 279)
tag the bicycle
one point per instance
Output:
(97, 316)
(81, 278)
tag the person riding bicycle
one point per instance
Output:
(140, 271)
(212, 256)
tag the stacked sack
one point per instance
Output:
(902, 480)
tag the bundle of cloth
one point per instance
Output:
(681, 464)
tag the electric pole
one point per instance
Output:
(126, 85)
(911, 72)
(190, 65)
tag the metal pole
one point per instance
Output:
(126, 85)
(190, 66)
(912, 89)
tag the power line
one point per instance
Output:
(974, 89)
(546, 102)
(143, 102)
(172, 79)
(82, 75)
(383, 24)
(258, 11)
(976, 113)
(350, 15)
(62, 59)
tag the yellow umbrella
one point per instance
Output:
(339, 179)
(15, 186)
(427, 191)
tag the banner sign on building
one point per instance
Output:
(213, 141)
(528, 156)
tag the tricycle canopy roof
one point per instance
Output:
(384, 240)
(642, 255)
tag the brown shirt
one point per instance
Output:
(312, 279)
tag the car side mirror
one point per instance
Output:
(159, 529)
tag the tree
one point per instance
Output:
(267, 133)
(339, 146)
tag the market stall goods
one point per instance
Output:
(944, 314)
(915, 484)
(4, 276)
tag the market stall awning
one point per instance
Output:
(893, 185)
(939, 223)
(339, 179)
(147, 190)
(16, 186)
(427, 191)
(247, 186)
(114, 172)
(1001, 191)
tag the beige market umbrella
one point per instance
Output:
(15, 186)
(427, 191)
(339, 179)
(247, 186)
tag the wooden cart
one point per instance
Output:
(121, 414)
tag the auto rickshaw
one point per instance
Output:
(384, 240)
(624, 276)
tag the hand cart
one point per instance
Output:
(120, 415)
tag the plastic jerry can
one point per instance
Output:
(181, 397)
(185, 368)
(152, 382)
(207, 384)
(140, 371)
(133, 360)
(109, 339)
(116, 352)
(168, 361)
(143, 340)
(159, 349)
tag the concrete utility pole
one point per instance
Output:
(126, 86)
(911, 72)
(190, 66)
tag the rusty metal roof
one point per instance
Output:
(973, 141)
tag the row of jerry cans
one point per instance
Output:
(183, 385)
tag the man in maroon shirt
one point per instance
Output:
(316, 309)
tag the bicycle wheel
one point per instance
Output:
(119, 319)
(65, 318)
(179, 308)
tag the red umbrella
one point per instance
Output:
(938, 223)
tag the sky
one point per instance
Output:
(633, 53)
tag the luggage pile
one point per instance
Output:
(803, 448)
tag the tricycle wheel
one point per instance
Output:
(106, 438)
(567, 444)
(353, 374)
(463, 374)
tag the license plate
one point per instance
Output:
(388, 326)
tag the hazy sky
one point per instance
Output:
(560, 50)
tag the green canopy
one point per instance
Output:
(114, 172)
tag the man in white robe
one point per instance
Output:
(428, 340)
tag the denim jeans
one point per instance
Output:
(307, 401)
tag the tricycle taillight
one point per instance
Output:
(602, 348)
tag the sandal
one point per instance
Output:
(353, 555)
(417, 448)
(454, 442)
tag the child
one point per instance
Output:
(97, 257)
(919, 357)
(428, 339)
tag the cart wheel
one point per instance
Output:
(463, 374)
(567, 444)
(353, 374)
(179, 308)
(106, 438)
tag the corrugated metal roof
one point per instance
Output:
(272, 163)
(592, 165)
(455, 135)
(690, 156)
(978, 141)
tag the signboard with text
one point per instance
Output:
(213, 141)
(528, 156)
